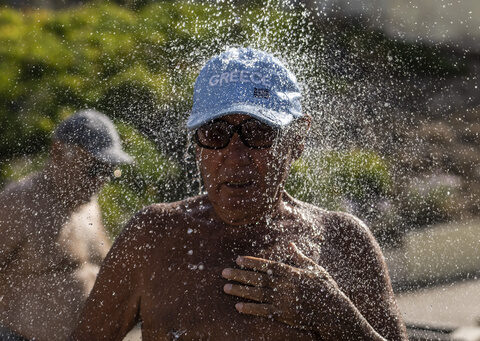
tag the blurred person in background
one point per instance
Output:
(245, 261)
(52, 236)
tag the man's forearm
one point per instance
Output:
(361, 331)
(351, 324)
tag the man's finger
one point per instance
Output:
(246, 277)
(266, 310)
(252, 293)
(299, 259)
(263, 265)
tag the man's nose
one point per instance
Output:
(237, 153)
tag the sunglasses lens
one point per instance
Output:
(214, 135)
(257, 134)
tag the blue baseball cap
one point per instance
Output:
(247, 81)
(95, 133)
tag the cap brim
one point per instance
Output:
(273, 118)
(113, 157)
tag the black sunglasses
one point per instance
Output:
(253, 133)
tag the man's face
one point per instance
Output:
(82, 174)
(243, 184)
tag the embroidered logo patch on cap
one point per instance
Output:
(261, 93)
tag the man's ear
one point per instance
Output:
(301, 131)
(197, 153)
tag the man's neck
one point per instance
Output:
(265, 221)
(57, 189)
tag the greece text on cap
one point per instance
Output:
(243, 76)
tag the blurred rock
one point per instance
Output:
(454, 23)
(466, 334)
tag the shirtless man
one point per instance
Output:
(246, 261)
(53, 240)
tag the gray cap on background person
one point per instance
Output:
(95, 133)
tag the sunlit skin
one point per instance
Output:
(216, 267)
(243, 184)
(53, 243)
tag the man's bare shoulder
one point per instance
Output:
(15, 192)
(147, 239)
(351, 232)
(336, 229)
(348, 249)
(164, 220)
(18, 206)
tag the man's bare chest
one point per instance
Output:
(187, 302)
(194, 307)
(49, 248)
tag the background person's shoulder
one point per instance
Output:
(23, 189)
(20, 203)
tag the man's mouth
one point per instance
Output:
(239, 184)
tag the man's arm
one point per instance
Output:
(112, 308)
(369, 286)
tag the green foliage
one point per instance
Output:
(327, 178)
(135, 65)
(22, 166)
(427, 204)
(150, 179)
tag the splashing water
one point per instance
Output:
(378, 105)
